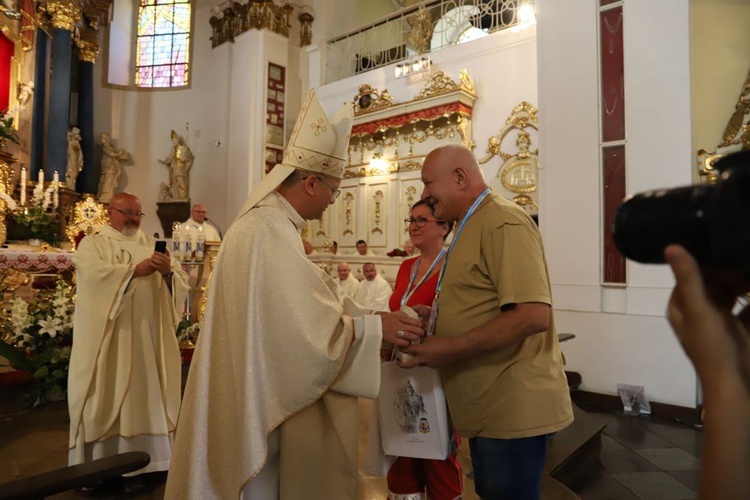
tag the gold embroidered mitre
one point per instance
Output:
(317, 144)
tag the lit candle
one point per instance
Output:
(23, 186)
(40, 179)
(56, 183)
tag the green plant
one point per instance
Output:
(34, 223)
(7, 132)
(41, 333)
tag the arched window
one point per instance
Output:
(163, 43)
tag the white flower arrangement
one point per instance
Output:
(42, 330)
(9, 201)
(41, 197)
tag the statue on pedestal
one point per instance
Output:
(179, 162)
(75, 158)
(111, 158)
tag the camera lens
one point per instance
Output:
(710, 221)
(646, 223)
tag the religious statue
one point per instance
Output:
(25, 91)
(179, 162)
(111, 158)
(75, 158)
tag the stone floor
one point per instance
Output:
(641, 457)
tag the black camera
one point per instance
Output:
(711, 221)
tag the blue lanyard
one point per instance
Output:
(469, 213)
(409, 290)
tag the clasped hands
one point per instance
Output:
(426, 351)
(401, 330)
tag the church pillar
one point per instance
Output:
(38, 120)
(88, 180)
(64, 16)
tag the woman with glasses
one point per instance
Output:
(410, 478)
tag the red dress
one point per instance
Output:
(441, 478)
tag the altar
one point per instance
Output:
(35, 260)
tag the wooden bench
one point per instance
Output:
(75, 476)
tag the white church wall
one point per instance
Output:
(224, 107)
(502, 66)
(140, 121)
(621, 332)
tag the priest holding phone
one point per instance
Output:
(125, 374)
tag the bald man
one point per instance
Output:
(494, 340)
(198, 218)
(348, 284)
(125, 367)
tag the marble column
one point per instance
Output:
(88, 180)
(64, 15)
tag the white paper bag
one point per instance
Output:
(413, 413)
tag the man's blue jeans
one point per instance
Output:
(508, 469)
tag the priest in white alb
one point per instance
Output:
(125, 368)
(271, 403)
(198, 221)
(374, 292)
(348, 284)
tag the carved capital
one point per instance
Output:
(88, 50)
(64, 14)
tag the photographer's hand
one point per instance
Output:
(718, 344)
(700, 311)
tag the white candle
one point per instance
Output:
(40, 179)
(56, 182)
(23, 186)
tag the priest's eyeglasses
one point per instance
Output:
(130, 213)
(334, 190)
(421, 221)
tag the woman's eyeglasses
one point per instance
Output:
(421, 221)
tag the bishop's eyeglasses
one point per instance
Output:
(421, 221)
(334, 190)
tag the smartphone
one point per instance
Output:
(161, 246)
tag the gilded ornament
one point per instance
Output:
(738, 118)
(420, 34)
(88, 217)
(369, 99)
(519, 170)
(64, 14)
(378, 199)
(467, 83)
(439, 83)
(88, 51)
(239, 17)
(706, 171)
(736, 137)
(211, 252)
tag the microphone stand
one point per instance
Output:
(216, 226)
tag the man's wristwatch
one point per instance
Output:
(168, 276)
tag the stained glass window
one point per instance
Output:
(163, 43)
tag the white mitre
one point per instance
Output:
(317, 144)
